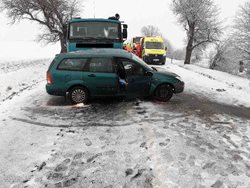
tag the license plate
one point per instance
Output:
(156, 60)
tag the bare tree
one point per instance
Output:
(150, 31)
(200, 20)
(241, 33)
(53, 15)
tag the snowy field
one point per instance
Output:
(17, 76)
(198, 139)
(216, 85)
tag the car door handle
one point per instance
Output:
(91, 75)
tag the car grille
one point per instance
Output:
(155, 56)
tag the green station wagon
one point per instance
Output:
(108, 72)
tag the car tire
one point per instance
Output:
(163, 93)
(78, 95)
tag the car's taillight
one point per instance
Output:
(49, 81)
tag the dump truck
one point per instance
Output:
(87, 33)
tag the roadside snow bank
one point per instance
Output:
(216, 85)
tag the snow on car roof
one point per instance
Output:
(101, 51)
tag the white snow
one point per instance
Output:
(17, 76)
(168, 135)
(215, 85)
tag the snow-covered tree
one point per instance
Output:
(226, 57)
(200, 20)
(150, 31)
(241, 33)
(170, 48)
(53, 15)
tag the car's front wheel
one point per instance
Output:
(163, 93)
(78, 95)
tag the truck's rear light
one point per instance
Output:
(49, 81)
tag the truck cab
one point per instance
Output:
(95, 33)
(153, 50)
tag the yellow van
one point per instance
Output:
(153, 50)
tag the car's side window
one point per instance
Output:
(101, 65)
(72, 64)
(132, 68)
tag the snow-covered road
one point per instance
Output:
(192, 141)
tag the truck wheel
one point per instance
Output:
(163, 93)
(78, 95)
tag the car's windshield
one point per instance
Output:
(154, 45)
(94, 30)
(139, 60)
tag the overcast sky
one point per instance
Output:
(19, 39)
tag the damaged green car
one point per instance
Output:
(92, 73)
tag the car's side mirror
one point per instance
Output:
(149, 74)
(166, 48)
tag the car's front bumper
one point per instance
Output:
(154, 59)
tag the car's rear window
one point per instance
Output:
(72, 64)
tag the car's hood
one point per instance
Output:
(161, 71)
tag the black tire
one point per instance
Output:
(78, 95)
(163, 93)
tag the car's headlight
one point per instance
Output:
(165, 53)
(179, 78)
(146, 54)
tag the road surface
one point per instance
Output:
(187, 142)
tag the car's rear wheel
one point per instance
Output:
(163, 92)
(78, 95)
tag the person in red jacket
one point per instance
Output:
(138, 50)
